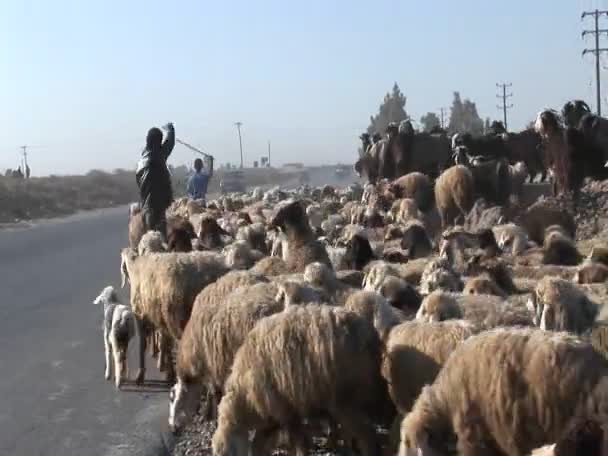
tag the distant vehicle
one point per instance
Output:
(342, 171)
(232, 182)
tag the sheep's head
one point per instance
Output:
(547, 123)
(374, 308)
(288, 215)
(239, 255)
(424, 432)
(439, 275)
(230, 441)
(151, 242)
(512, 239)
(375, 275)
(482, 286)
(184, 400)
(291, 292)
(416, 241)
(359, 252)
(401, 295)
(320, 275)
(559, 305)
(107, 296)
(439, 306)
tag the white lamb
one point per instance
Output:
(119, 325)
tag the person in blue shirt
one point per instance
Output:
(199, 181)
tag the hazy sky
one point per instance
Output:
(84, 80)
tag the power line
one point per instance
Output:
(596, 51)
(504, 105)
(238, 127)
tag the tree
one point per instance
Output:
(486, 126)
(464, 117)
(430, 121)
(392, 109)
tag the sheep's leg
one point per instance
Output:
(141, 335)
(118, 365)
(166, 350)
(358, 429)
(108, 357)
(262, 443)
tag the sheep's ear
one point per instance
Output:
(97, 300)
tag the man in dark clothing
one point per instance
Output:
(153, 178)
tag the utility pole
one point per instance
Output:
(238, 127)
(442, 116)
(269, 154)
(596, 32)
(504, 105)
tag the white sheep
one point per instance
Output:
(119, 326)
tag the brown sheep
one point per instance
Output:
(503, 393)
(304, 362)
(416, 186)
(454, 195)
(401, 295)
(163, 289)
(591, 272)
(559, 248)
(541, 215)
(180, 233)
(302, 247)
(559, 305)
(483, 311)
(483, 285)
(599, 254)
(211, 233)
(137, 228)
(206, 351)
(270, 266)
(414, 353)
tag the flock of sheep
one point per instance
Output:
(333, 313)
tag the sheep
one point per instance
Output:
(324, 278)
(270, 266)
(255, 235)
(218, 327)
(304, 362)
(585, 436)
(151, 242)
(180, 233)
(291, 292)
(518, 174)
(591, 272)
(511, 238)
(483, 311)
(414, 353)
(559, 248)
(599, 254)
(416, 186)
(541, 215)
(415, 241)
(163, 289)
(559, 305)
(483, 285)
(376, 271)
(401, 295)
(454, 194)
(211, 233)
(119, 326)
(137, 227)
(239, 255)
(503, 393)
(302, 247)
(438, 274)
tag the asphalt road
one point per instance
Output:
(53, 397)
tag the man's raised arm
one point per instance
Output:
(169, 141)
